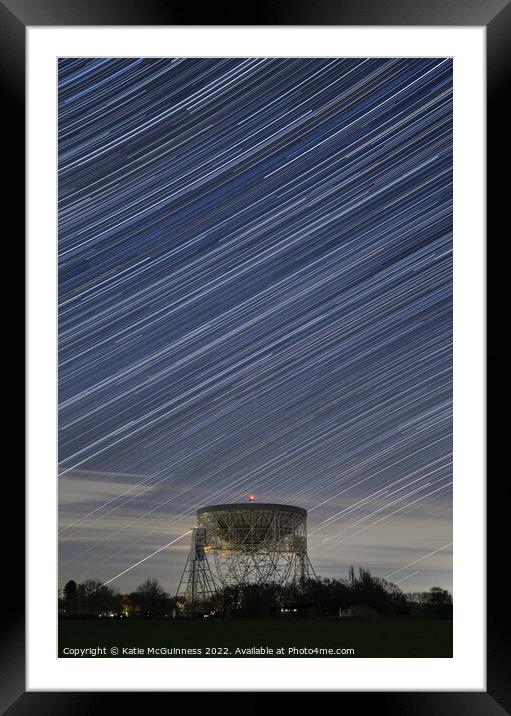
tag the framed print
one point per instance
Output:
(255, 365)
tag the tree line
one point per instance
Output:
(92, 598)
(360, 594)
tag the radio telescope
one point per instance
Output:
(247, 543)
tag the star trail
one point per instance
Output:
(255, 296)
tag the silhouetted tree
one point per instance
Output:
(439, 603)
(70, 597)
(259, 599)
(95, 598)
(330, 594)
(150, 598)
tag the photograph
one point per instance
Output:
(255, 354)
(255, 357)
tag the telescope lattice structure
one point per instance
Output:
(257, 543)
(197, 586)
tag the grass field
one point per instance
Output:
(399, 637)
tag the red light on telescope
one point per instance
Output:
(251, 498)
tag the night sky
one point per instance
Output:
(255, 296)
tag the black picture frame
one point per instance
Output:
(495, 15)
